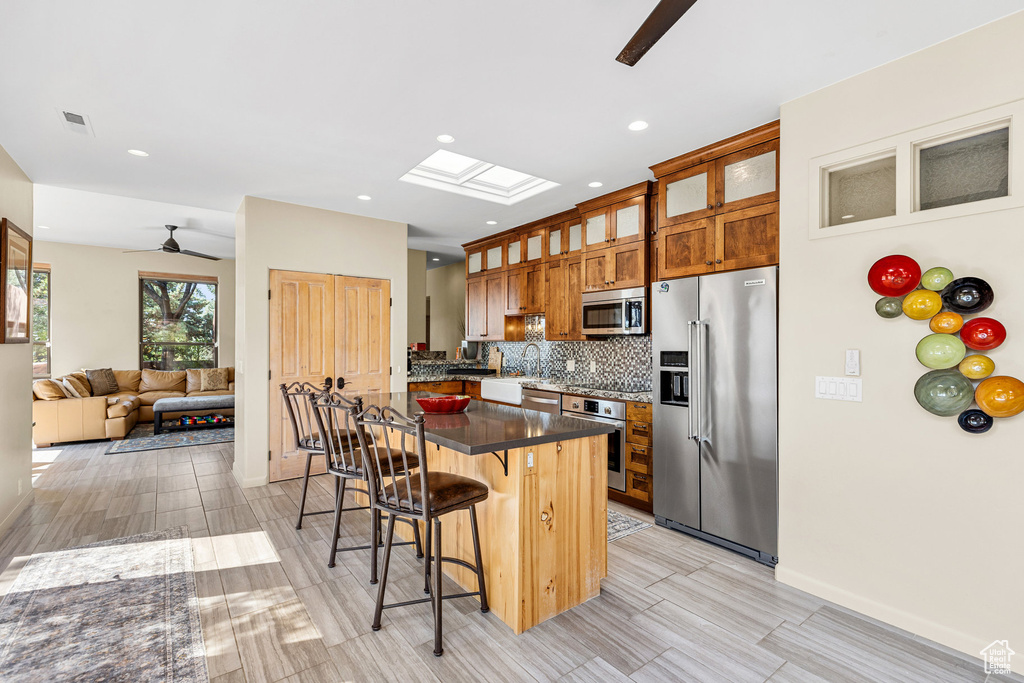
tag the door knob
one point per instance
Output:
(719, 204)
(711, 206)
(707, 263)
(718, 260)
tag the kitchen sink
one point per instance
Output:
(505, 389)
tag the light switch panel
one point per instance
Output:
(838, 388)
(570, 365)
(593, 366)
(852, 362)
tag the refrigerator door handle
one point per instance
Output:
(702, 344)
(695, 381)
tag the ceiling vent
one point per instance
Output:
(444, 170)
(75, 123)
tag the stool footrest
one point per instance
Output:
(368, 547)
(422, 600)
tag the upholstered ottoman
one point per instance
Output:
(185, 404)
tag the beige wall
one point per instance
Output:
(276, 235)
(94, 303)
(15, 368)
(884, 507)
(446, 288)
(417, 318)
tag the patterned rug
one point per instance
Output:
(121, 610)
(141, 438)
(620, 525)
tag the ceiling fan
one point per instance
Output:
(171, 247)
(660, 20)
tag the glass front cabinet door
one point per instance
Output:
(747, 178)
(686, 195)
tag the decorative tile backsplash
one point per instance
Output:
(625, 359)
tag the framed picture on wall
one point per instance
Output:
(16, 293)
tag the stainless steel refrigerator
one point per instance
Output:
(716, 409)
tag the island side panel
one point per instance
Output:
(565, 528)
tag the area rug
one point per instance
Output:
(121, 610)
(141, 438)
(620, 525)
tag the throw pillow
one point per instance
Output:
(49, 390)
(83, 380)
(70, 388)
(76, 387)
(213, 379)
(102, 381)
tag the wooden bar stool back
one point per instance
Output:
(298, 397)
(335, 417)
(389, 442)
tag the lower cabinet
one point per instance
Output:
(446, 387)
(639, 459)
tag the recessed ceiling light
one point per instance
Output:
(596, 184)
(436, 259)
(492, 222)
(364, 197)
(638, 125)
(43, 227)
(849, 215)
(138, 153)
(445, 138)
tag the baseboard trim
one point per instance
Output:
(8, 521)
(252, 482)
(962, 642)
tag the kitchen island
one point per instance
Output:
(543, 527)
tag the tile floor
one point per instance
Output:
(671, 609)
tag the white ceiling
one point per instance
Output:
(318, 102)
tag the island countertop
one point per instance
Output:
(488, 427)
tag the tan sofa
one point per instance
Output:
(113, 416)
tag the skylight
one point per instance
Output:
(451, 172)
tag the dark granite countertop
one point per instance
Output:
(488, 427)
(437, 377)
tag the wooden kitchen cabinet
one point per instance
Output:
(747, 238)
(619, 267)
(495, 293)
(621, 223)
(485, 308)
(515, 291)
(445, 387)
(564, 240)
(474, 262)
(717, 207)
(494, 256)
(533, 246)
(685, 249)
(563, 301)
(533, 279)
(476, 308)
(639, 457)
(471, 389)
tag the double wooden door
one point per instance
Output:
(323, 326)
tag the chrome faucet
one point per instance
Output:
(526, 350)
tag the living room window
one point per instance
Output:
(40, 320)
(178, 321)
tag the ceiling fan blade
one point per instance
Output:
(661, 19)
(186, 252)
(140, 251)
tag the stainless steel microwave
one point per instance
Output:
(622, 311)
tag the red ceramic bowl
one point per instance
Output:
(439, 405)
(894, 275)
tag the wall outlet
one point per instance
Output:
(838, 389)
(529, 459)
(593, 366)
(570, 365)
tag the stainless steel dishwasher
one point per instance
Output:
(542, 401)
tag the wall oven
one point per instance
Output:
(622, 311)
(608, 412)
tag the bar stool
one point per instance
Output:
(297, 398)
(424, 497)
(335, 419)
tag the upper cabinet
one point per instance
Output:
(533, 245)
(564, 239)
(616, 218)
(514, 250)
(717, 207)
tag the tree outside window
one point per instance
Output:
(178, 324)
(41, 323)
